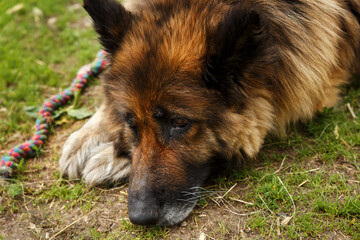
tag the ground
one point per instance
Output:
(303, 186)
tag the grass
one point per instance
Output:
(311, 178)
(322, 177)
(38, 58)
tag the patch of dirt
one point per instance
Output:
(107, 216)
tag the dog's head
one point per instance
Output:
(172, 95)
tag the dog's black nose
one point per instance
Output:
(143, 204)
(144, 217)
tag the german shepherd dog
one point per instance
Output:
(195, 84)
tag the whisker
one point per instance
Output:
(187, 200)
(201, 188)
(202, 191)
(195, 193)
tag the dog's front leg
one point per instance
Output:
(89, 154)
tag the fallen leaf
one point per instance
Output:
(336, 131)
(51, 22)
(32, 111)
(351, 111)
(41, 63)
(33, 227)
(75, 6)
(202, 236)
(15, 8)
(37, 11)
(62, 121)
(58, 113)
(285, 221)
(37, 14)
(80, 113)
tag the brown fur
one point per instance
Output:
(313, 58)
(236, 70)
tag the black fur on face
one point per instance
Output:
(239, 40)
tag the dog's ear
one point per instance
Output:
(111, 21)
(237, 41)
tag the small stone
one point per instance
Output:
(183, 224)
(202, 236)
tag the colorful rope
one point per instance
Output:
(44, 116)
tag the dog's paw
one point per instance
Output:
(79, 146)
(88, 154)
(78, 149)
(103, 167)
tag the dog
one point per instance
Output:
(197, 84)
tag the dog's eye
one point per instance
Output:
(131, 123)
(179, 126)
(129, 120)
(180, 122)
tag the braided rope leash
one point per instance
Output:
(44, 118)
